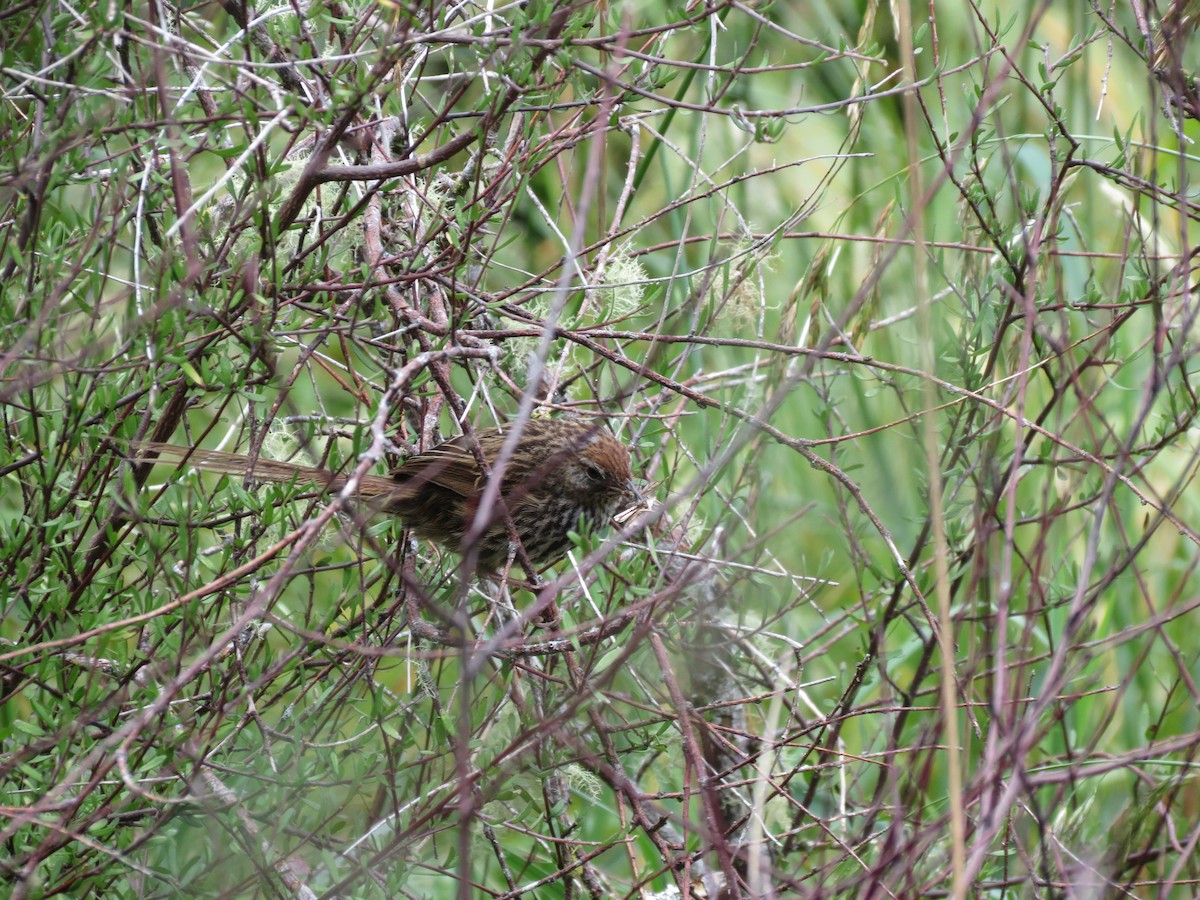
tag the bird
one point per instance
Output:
(562, 473)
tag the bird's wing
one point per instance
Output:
(450, 465)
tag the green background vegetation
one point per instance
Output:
(897, 320)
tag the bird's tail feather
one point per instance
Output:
(260, 469)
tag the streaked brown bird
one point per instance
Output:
(561, 473)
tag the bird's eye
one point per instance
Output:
(594, 472)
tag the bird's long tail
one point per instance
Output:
(261, 469)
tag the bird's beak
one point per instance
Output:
(634, 493)
(637, 503)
